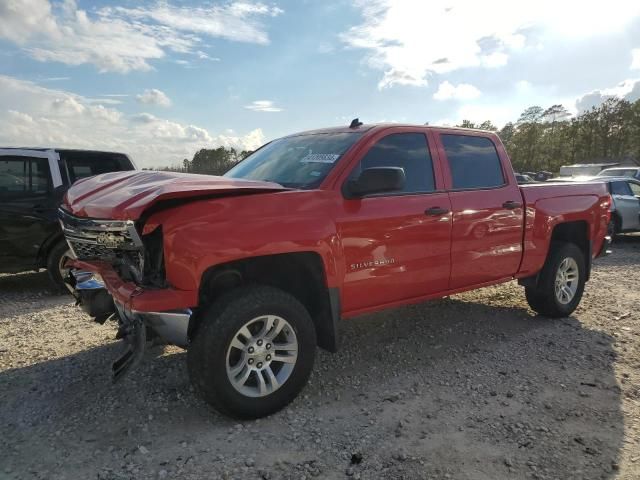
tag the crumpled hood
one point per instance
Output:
(126, 195)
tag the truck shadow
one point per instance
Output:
(469, 386)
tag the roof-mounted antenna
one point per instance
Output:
(355, 123)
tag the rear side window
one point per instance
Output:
(88, 164)
(621, 188)
(635, 189)
(473, 161)
(24, 176)
(405, 150)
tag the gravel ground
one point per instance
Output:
(471, 387)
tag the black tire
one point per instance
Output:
(542, 298)
(56, 254)
(207, 354)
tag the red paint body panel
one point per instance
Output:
(486, 240)
(548, 205)
(125, 195)
(380, 251)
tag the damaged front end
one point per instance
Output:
(118, 274)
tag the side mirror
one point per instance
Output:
(377, 180)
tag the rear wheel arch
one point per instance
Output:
(302, 274)
(560, 283)
(575, 232)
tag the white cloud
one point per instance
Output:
(33, 115)
(153, 96)
(263, 106)
(463, 91)
(237, 21)
(635, 59)
(627, 90)
(409, 41)
(123, 39)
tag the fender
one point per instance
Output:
(208, 233)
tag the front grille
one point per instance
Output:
(114, 241)
(89, 251)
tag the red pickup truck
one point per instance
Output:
(252, 270)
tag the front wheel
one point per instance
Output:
(253, 351)
(561, 282)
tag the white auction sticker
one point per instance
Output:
(320, 158)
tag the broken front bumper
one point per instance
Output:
(103, 294)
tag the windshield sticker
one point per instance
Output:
(320, 158)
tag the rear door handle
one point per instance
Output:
(436, 211)
(511, 204)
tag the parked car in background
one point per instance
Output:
(32, 184)
(625, 210)
(523, 179)
(633, 172)
(541, 176)
(253, 270)
(625, 205)
(584, 169)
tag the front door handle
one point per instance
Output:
(511, 204)
(436, 211)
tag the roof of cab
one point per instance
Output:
(380, 126)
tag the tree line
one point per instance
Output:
(546, 139)
(210, 161)
(541, 139)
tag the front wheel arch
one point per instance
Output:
(301, 274)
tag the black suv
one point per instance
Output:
(32, 184)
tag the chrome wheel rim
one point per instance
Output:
(262, 356)
(566, 284)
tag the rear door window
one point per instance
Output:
(473, 161)
(24, 177)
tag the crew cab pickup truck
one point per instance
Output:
(251, 271)
(32, 184)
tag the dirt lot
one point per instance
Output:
(472, 387)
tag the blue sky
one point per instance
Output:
(161, 79)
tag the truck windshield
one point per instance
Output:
(302, 161)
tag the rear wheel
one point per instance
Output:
(561, 282)
(253, 351)
(55, 265)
